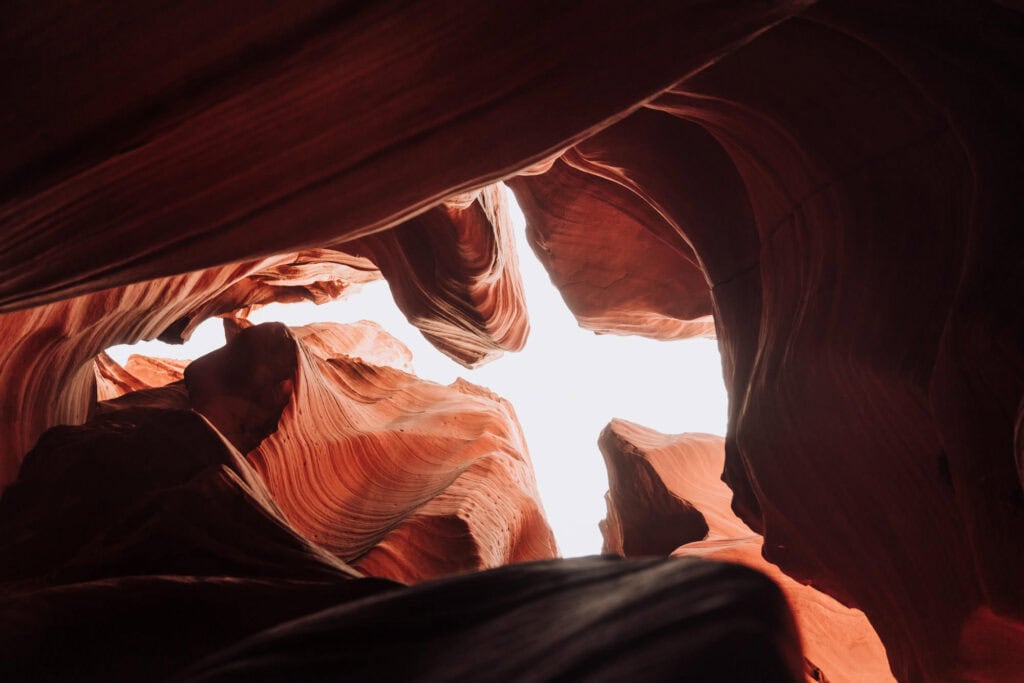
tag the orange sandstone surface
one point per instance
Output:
(830, 188)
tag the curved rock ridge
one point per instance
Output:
(454, 272)
(402, 477)
(593, 618)
(364, 340)
(666, 487)
(141, 541)
(302, 127)
(315, 275)
(620, 268)
(140, 372)
(843, 182)
(845, 173)
(47, 375)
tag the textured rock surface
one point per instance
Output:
(405, 478)
(143, 541)
(454, 273)
(47, 374)
(619, 266)
(666, 488)
(846, 179)
(583, 619)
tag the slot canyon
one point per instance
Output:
(832, 191)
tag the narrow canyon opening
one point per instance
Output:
(834, 184)
(566, 385)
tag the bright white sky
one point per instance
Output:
(565, 385)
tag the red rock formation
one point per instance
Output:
(454, 273)
(142, 542)
(296, 128)
(46, 368)
(843, 182)
(844, 173)
(405, 478)
(140, 372)
(667, 488)
(619, 266)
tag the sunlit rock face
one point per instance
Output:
(621, 268)
(665, 490)
(848, 200)
(143, 545)
(143, 540)
(404, 478)
(835, 182)
(47, 373)
(454, 273)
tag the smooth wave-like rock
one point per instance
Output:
(402, 477)
(594, 619)
(301, 127)
(845, 173)
(620, 268)
(47, 374)
(315, 275)
(453, 271)
(666, 488)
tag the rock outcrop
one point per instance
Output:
(621, 268)
(47, 370)
(666, 497)
(454, 273)
(402, 477)
(143, 545)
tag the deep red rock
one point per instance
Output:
(845, 174)
(592, 236)
(297, 128)
(454, 273)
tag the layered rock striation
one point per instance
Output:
(666, 497)
(836, 183)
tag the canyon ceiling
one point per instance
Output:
(834, 189)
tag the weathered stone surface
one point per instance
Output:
(619, 266)
(402, 477)
(454, 273)
(690, 505)
(297, 128)
(846, 175)
(595, 619)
